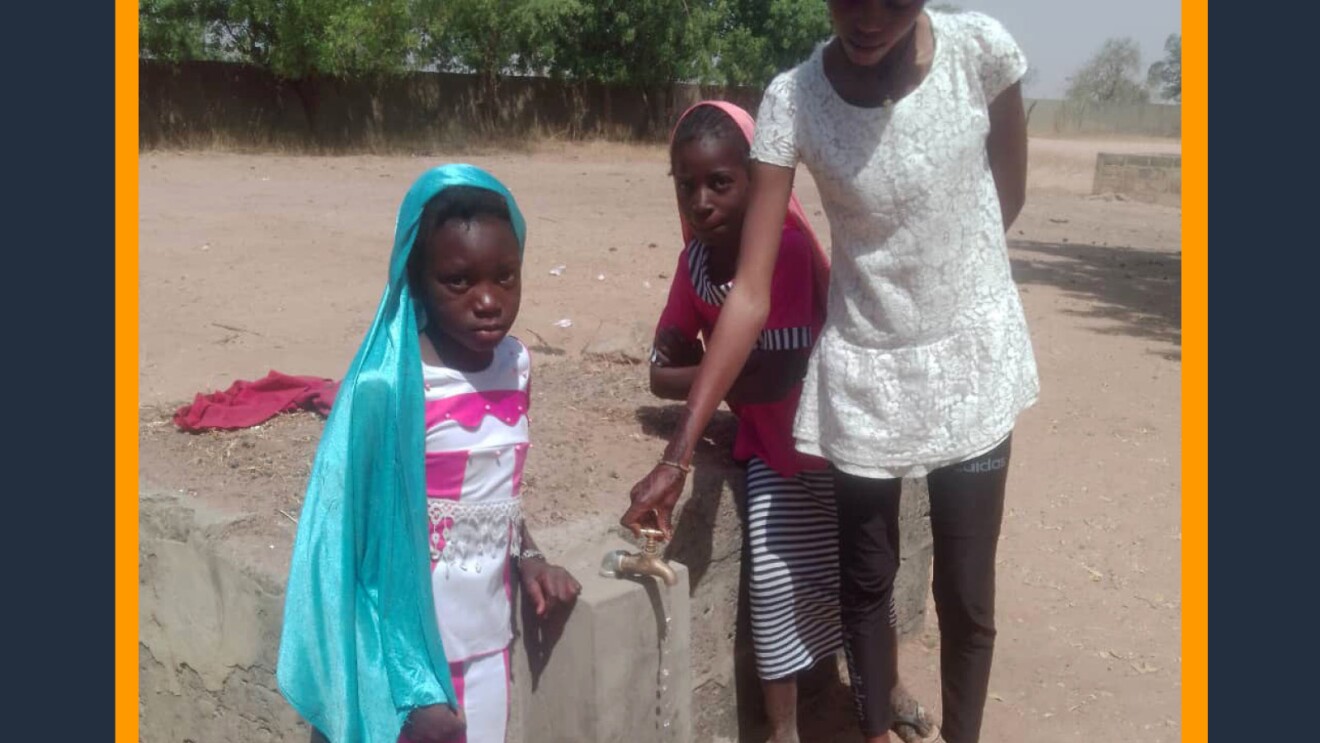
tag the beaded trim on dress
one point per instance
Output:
(461, 532)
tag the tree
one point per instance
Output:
(622, 42)
(1108, 76)
(757, 39)
(170, 30)
(631, 43)
(482, 37)
(1165, 75)
(649, 45)
(295, 39)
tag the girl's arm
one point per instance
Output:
(673, 382)
(1007, 148)
(744, 313)
(767, 377)
(547, 586)
(676, 352)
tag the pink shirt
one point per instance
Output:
(764, 430)
(476, 445)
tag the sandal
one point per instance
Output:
(917, 729)
(911, 722)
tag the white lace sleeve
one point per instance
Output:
(776, 121)
(1002, 61)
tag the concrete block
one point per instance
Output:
(1150, 178)
(211, 602)
(208, 630)
(211, 599)
(618, 669)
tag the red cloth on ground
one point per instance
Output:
(246, 404)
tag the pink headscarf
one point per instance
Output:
(795, 216)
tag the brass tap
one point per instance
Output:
(619, 563)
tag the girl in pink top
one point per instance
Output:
(792, 528)
(790, 501)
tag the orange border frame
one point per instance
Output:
(1195, 380)
(1195, 372)
(126, 371)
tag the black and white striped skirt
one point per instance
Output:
(793, 532)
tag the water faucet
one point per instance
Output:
(619, 563)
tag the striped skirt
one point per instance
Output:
(793, 533)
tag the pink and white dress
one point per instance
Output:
(476, 445)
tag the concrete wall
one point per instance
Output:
(200, 104)
(1155, 179)
(212, 595)
(211, 601)
(203, 104)
(1054, 118)
(208, 628)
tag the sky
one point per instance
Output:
(1059, 36)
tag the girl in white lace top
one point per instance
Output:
(912, 125)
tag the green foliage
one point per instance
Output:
(738, 42)
(292, 38)
(758, 39)
(177, 30)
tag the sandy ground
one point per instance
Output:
(252, 263)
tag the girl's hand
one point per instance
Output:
(653, 501)
(547, 586)
(672, 348)
(436, 723)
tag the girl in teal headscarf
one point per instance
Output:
(397, 615)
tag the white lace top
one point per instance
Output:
(925, 358)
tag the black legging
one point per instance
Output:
(966, 509)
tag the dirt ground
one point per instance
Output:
(251, 263)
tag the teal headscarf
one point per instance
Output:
(360, 647)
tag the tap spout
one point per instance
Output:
(619, 563)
